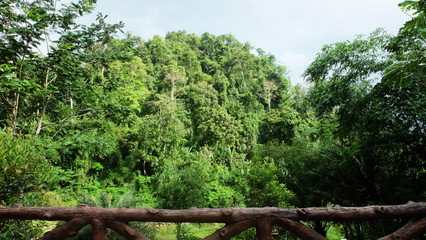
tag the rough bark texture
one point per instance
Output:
(99, 230)
(231, 230)
(237, 220)
(411, 230)
(298, 229)
(68, 230)
(264, 229)
(126, 231)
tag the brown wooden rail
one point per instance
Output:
(236, 220)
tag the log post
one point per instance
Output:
(99, 230)
(264, 229)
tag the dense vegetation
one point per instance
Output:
(204, 121)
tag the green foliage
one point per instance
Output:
(408, 48)
(130, 79)
(278, 126)
(21, 229)
(184, 186)
(105, 200)
(264, 186)
(217, 128)
(379, 133)
(224, 190)
(350, 61)
(344, 72)
(24, 168)
(25, 175)
(32, 80)
(378, 130)
(393, 139)
(183, 232)
(201, 121)
(156, 137)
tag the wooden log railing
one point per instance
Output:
(236, 220)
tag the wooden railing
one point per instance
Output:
(236, 220)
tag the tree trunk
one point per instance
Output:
(41, 117)
(320, 228)
(71, 105)
(15, 114)
(269, 101)
(45, 102)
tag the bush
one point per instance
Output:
(24, 169)
(24, 173)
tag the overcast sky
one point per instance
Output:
(293, 31)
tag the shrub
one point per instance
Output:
(24, 173)
(24, 169)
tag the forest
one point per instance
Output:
(186, 121)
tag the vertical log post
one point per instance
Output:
(264, 229)
(99, 230)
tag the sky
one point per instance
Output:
(292, 31)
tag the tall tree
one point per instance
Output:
(174, 77)
(270, 88)
(30, 76)
(408, 47)
(345, 71)
(380, 128)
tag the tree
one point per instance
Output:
(270, 88)
(265, 188)
(212, 125)
(32, 77)
(344, 72)
(408, 47)
(25, 26)
(379, 130)
(130, 79)
(25, 172)
(184, 183)
(388, 124)
(278, 126)
(157, 136)
(174, 77)
(217, 128)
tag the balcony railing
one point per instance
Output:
(236, 220)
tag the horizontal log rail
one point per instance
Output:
(236, 220)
